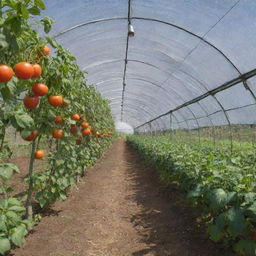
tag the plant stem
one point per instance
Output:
(3, 137)
(29, 210)
(38, 141)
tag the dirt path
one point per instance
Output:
(120, 209)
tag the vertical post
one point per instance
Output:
(171, 125)
(29, 209)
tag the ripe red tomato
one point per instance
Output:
(75, 117)
(85, 124)
(79, 141)
(32, 136)
(58, 120)
(45, 49)
(86, 132)
(73, 129)
(6, 73)
(39, 154)
(37, 70)
(57, 134)
(39, 89)
(24, 70)
(31, 102)
(55, 100)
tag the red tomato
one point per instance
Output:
(6, 73)
(37, 70)
(86, 132)
(85, 124)
(45, 49)
(39, 89)
(73, 129)
(31, 102)
(75, 117)
(57, 134)
(39, 154)
(24, 70)
(55, 100)
(58, 120)
(32, 136)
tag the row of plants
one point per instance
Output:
(44, 98)
(222, 184)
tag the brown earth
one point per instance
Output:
(120, 209)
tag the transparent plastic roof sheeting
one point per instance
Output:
(190, 64)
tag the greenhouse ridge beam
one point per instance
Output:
(223, 87)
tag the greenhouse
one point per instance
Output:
(140, 115)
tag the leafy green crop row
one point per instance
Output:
(222, 184)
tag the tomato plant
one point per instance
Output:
(40, 119)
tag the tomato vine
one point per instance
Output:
(43, 94)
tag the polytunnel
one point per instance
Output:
(140, 115)
(189, 64)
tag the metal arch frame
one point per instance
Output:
(143, 80)
(154, 84)
(133, 94)
(170, 24)
(147, 19)
(171, 75)
(136, 110)
(214, 91)
(159, 85)
(179, 95)
(141, 103)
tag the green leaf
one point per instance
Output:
(12, 201)
(196, 192)
(15, 24)
(246, 247)
(6, 170)
(18, 234)
(215, 232)
(24, 11)
(3, 226)
(47, 23)
(34, 10)
(40, 4)
(13, 217)
(251, 211)
(236, 221)
(62, 196)
(52, 42)
(17, 208)
(6, 93)
(250, 197)
(5, 245)
(217, 199)
(24, 120)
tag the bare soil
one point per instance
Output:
(120, 209)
